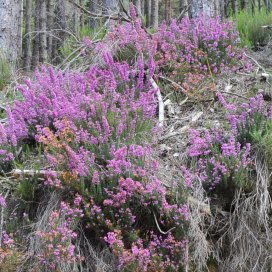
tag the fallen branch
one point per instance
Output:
(234, 94)
(161, 103)
(160, 230)
(256, 62)
(95, 15)
(174, 83)
(18, 173)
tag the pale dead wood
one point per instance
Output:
(160, 100)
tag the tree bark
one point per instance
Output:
(138, 6)
(43, 39)
(205, 7)
(222, 8)
(183, 4)
(81, 24)
(143, 7)
(36, 49)
(216, 8)
(234, 6)
(148, 12)
(244, 4)
(95, 7)
(10, 39)
(167, 10)
(110, 6)
(155, 13)
(259, 5)
(50, 24)
(268, 5)
(28, 40)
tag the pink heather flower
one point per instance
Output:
(108, 202)
(57, 253)
(95, 178)
(7, 240)
(133, 12)
(87, 41)
(188, 177)
(2, 201)
(111, 238)
(77, 200)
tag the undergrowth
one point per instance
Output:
(91, 133)
(250, 26)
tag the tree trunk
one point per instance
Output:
(259, 5)
(28, 40)
(143, 7)
(222, 8)
(50, 24)
(155, 13)
(81, 24)
(63, 17)
(183, 4)
(234, 6)
(216, 8)
(95, 7)
(43, 40)
(268, 5)
(167, 10)
(76, 16)
(138, 6)
(10, 39)
(148, 12)
(36, 49)
(205, 7)
(20, 30)
(244, 4)
(110, 6)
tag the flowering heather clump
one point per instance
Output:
(220, 158)
(57, 242)
(205, 45)
(224, 156)
(6, 248)
(149, 258)
(94, 129)
(189, 52)
(2, 201)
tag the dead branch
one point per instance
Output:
(174, 84)
(18, 173)
(116, 17)
(256, 62)
(161, 103)
(161, 231)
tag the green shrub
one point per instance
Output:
(250, 27)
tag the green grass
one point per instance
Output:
(250, 27)
(5, 73)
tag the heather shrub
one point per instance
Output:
(94, 129)
(224, 157)
(56, 243)
(188, 52)
(204, 45)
